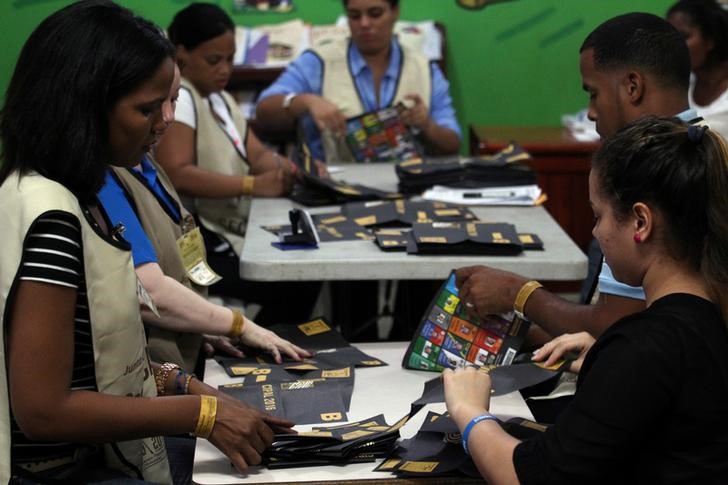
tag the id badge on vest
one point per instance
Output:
(192, 251)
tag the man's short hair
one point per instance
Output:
(392, 3)
(642, 41)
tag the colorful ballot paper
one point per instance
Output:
(448, 336)
(380, 136)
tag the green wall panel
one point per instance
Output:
(514, 62)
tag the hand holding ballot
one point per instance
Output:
(488, 290)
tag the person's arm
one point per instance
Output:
(274, 173)
(176, 153)
(491, 291)
(301, 78)
(553, 351)
(40, 363)
(467, 395)
(183, 310)
(438, 125)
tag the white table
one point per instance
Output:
(363, 260)
(389, 390)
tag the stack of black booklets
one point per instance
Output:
(363, 441)
(506, 168)
(499, 239)
(313, 190)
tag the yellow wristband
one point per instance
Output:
(206, 418)
(522, 297)
(236, 329)
(248, 182)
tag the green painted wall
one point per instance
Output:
(512, 63)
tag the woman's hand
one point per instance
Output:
(467, 392)
(274, 183)
(221, 344)
(242, 433)
(326, 115)
(554, 351)
(321, 169)
(417, 115)
(256, 336)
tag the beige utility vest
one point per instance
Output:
(121, 362)
(338, 86)
(214, 151)
(163, 231)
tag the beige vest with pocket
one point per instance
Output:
(215, 152)
(121, 362)
(338, 87)
(164, 345)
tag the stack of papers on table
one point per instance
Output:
(509, 167)
(358, 442)
(526, 195)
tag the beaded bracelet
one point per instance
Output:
(182, 383)
(469, 427)
(206, 418)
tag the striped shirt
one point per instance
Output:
(53, 254)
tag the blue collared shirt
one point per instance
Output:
(120, 211)
(304, 75)
(607, 283)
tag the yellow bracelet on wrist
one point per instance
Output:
(236, 329)
(522, 297)
(248, 183)
(206, 418)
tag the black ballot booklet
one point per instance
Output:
(436, 449)
(362, 441)
(314, 390)
(395, 239)
(314, 190)
(404, 212)
(473, 237)
(448, 336)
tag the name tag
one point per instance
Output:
(192, 251)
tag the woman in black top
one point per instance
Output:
(652, 393)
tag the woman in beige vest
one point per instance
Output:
(211, 156)
(77, 391)
(169, 259)
(370, 71)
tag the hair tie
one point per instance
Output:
(695, 133)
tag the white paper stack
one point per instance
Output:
(524, 195)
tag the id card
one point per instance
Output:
(192, 251)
